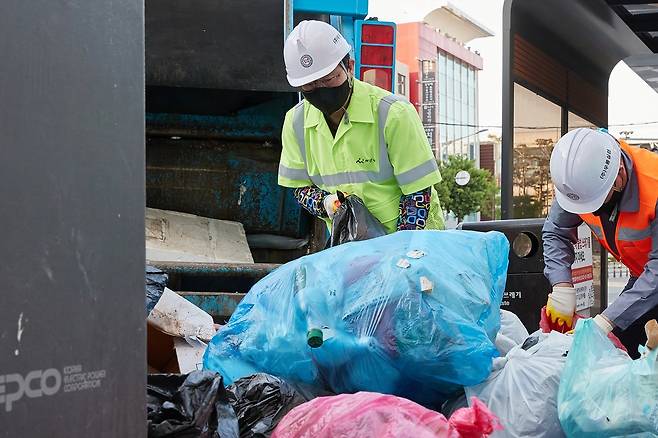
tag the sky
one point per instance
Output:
(631, 100)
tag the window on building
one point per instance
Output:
(402, 84)
(537, 124)
(464, 82)
(457, 107)
(575, 121)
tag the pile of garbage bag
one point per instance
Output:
(554, 384)
(603, 392)
(366, 414)
(198, 405)
(413, 314)
(523, 387)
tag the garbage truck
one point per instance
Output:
(216, 96)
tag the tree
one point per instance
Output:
(533, 189)
(490, 207)
(526, 206)
(543, 185)
(466, 199)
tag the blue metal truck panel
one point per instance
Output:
(350, 8)
(224, 180)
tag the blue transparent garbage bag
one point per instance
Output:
(603, 392)
(414, 314)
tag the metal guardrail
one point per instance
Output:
(216, 288)
(617, 270)
(246, 270)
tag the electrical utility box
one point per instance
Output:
(72, 313)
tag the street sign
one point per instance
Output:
(428, 70)
(462, 178)
(430, 131)
(429, 114)
(429, 92)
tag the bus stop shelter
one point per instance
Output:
(557, 60)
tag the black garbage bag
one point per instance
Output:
(457, 401)
(262, 400)
(193, 405)
(156, 280)
(353, 221)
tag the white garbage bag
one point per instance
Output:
(523, 386)
(512, 332)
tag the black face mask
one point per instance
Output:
(610, 205)
(329, 100)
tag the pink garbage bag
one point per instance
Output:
(368, 414)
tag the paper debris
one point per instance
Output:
(426, 285)
(403, 263)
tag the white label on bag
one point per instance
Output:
(403, 263)
(415, 254)
(426, 284)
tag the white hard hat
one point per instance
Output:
(584, 166)
(312, 50)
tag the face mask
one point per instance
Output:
(608, 206)
(329, 100)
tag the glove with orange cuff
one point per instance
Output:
(561, 306)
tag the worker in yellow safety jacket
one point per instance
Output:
(349, 136)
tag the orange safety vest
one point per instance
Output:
(633, 230)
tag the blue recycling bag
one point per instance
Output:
(605, 393)
(414, 314)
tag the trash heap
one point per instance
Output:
(198, 405)
(347, 342)
(523, 385)
(581, 385)
(413, 314)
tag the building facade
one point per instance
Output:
(442, 80)
(401, 79)
(490, 161)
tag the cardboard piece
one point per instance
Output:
(169, 354)
(175, 331)
(178, 317)
(179, 237)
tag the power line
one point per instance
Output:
(467, 125)
(634, 124)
